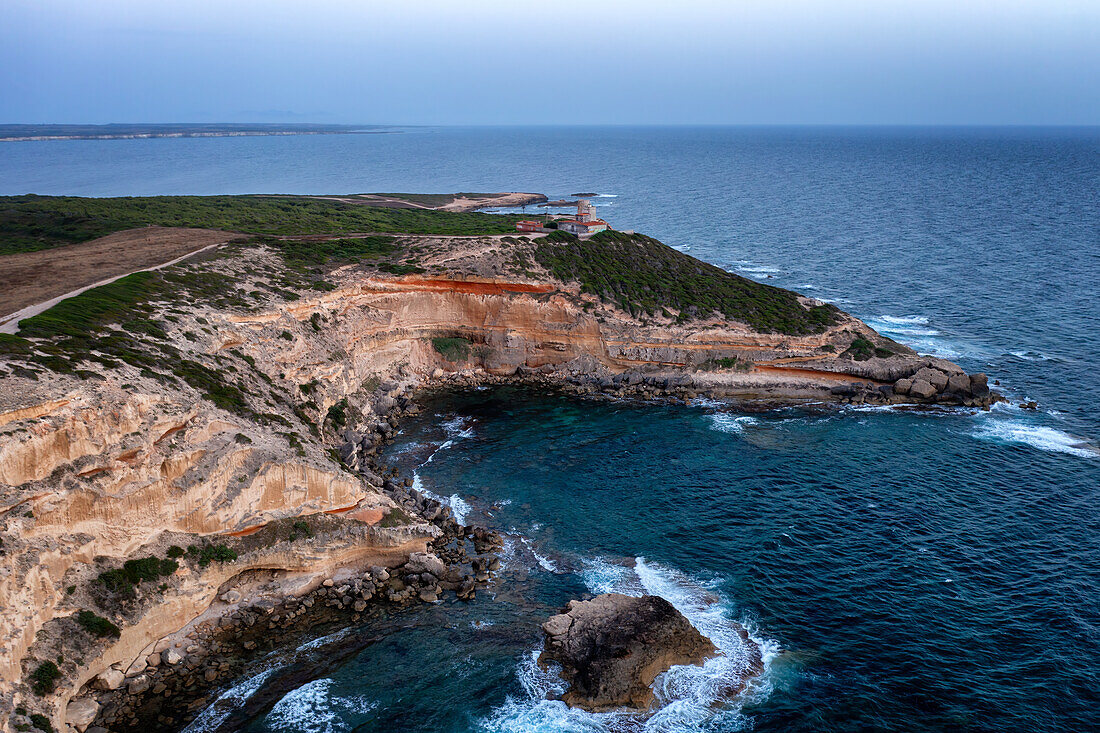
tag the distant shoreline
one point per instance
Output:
(36, 133)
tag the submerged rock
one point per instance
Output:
(612, 647)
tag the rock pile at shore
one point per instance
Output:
(612, 647)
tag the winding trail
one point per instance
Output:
(10, 323)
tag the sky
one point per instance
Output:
(511, 62)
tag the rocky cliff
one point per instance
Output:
(218, 406)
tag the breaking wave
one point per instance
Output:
(688, 697)
(1044, 438)
(311, 709)
(212, 717)
(728, 423)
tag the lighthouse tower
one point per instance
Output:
(584, 210)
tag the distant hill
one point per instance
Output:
(117, 131)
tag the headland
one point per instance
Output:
(189, 455)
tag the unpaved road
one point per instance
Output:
(41, 278)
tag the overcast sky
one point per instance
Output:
(516, 62)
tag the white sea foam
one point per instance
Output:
(905, 320)
(1001, 430)
(460, 508)
(689, 697)
(310, 709)
(544, 562)
(458, 427)
(324, 640)
(211, 718)
(902, 326)
(758, 269)
(727, 423)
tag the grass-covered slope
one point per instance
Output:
(641, 275)
(30, 223)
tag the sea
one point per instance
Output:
(902, 570)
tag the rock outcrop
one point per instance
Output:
(612, 647)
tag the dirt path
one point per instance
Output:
(814, 373)
(31, 282)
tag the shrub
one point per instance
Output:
(122, 580)
(398, 269)
(221, 553)
(337, 414)
(34, 222)
(452, 349)
(300, 528)
(395, 518)
(44, 678)
(861, 349)
(175, 551)
(41, 722)
(97, 625)
(286, 335)
(642, 276)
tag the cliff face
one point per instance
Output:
(105, 463)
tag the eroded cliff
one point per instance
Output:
(242, 390)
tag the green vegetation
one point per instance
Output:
(111, 303)
(642, 276)
(176, 551)
(41, 722)
(97, 625)
(399, 269)
(209, 553)
(29, 223)
(122, 581)
(862, 349)
(395, 517)
(308, 254)
(726, 362)
(44, 678)
(300, 528)
(452, 349)
(337, 414)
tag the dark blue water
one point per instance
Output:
(903, 571)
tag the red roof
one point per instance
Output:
(593, 223)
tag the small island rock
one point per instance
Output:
(612, 647)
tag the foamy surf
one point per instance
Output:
(688, 698)
(727, 423)
(212, 717)
(456, 428)
(311, 709)
(1008, 431)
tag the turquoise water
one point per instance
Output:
(903, 570)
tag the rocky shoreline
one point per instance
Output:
(167, 688)
(237, 424)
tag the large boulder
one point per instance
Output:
(425, 562)
(959, 384)
(934, 377)
(902, 386)
(80, 712)
(921, 388)
(109, 679)
(979, 385)
(612, 647)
